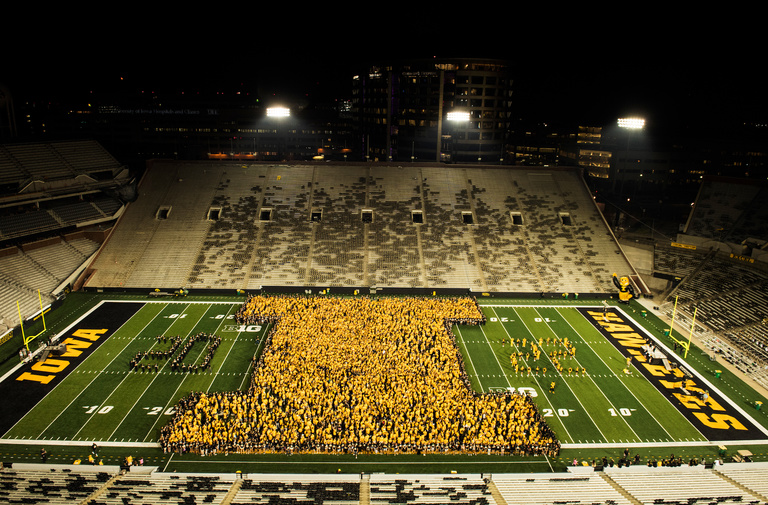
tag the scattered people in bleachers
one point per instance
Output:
(362, 375)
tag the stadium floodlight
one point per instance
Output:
(458, 116)
(278, 112)
(632, 123)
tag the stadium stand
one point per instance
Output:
(203, 225)
(49, 216)
(53, 166)
(56, 202)
(674, 260)
(731, 210)
(723, 274)
(57, 484)
(588, 488)
(741, 475)
(158, 488)
(728, 484)
(299, 489)
(682, 485)
(43, 265)
(437, 489)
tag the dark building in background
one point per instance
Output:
(7, 115)
(191, 123)
(449, 110)
(654, 163)
(436, 110)
(444, 110)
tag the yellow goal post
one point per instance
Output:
(30, 338)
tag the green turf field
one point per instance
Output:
(609, 403)
(92, 393)
(104, 399)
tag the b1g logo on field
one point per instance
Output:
(240, 328)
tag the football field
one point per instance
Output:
(598, 398)
(127, 364)
(92, 392)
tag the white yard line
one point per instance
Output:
(621, 381)
(148, 386)
(568, 385)
(216, 373)
(537, 380)
(167, 405)
(590, 378)
(97, 375)
(63, 332)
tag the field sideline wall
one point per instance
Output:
(341, 290)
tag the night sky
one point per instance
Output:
(563, 69)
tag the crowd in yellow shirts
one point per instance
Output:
(368, 375)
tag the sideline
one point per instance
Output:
(78, 443)
(358, 462)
